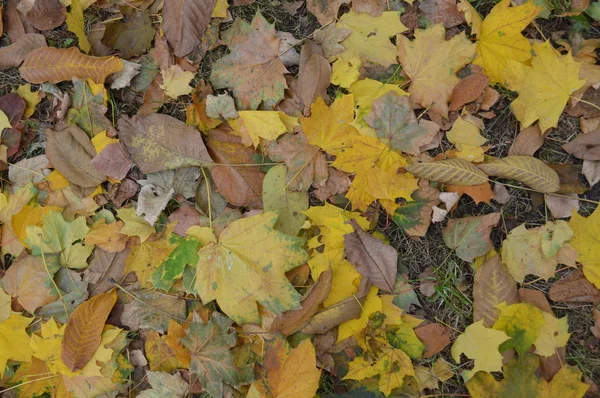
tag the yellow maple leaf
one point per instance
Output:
(431, 63)
(107, 236)
(30, 215)
(134, 225)
(176, 81)
(392, 366)
(501, 39)
(14, 340)
(5, 302)
(345, 72)
(585, 241)
(480, 344)
(544, 87)
(368, 90)
(247, 265)
(553, 334)
(76, 24)
(358, 194)
(57, 181)
(254, 125)
(329, 127)
(370, 37)
(471, 16)
(522, 322)
(32, 98)
(387, 185)
(15, 202)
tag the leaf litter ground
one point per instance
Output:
(452, 303)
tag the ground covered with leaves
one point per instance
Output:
(279, 198)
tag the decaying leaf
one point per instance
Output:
(452, 171)
(185, 22)
(493, 285)
(131, 35)
(526, 169)
(470, 236)
(13, 55)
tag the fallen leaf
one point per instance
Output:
(435, 336)
(211, 360)
(31, 97)
(150, 144)
(113, 161)
(161, 357)
(172, 268)
(314, 74)
(472, 17)
(306, 164)
(288, 205)
(220, 106)
(527, 142)
(28, 283)
(287, 371)
(13, 55)
(520, 321)
(431, 63)
(241, 186)
(371, 257)
(43, 14)
(480, 344)
(585, 146)
(14, 340)
(329, 37)
(134, 225)
(523, 253)
(55, 65)
(520, 379)
(253, 126)
(83, 333)
(442, 11)
(493, 285)
(369, 38)
(452, 171)
(591, 171)
(104, 267)
(259, 241)
(165, 385)
(152, 310)
(131, 35)
(501, 40)
(88, 109)
(253, 69)
(525, 169)
(467, 90)
(415, 216)
(470, 236)
(596, 328)
(586, 244)
(71, 152)
(176, 81)
(396, 124)
(185, 22)
(575, 288)
(76, 24)
(562, 206)
(325, 11)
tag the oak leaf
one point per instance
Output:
(55, 65)
(501, 40)
(287, 371)
(544, 88)
(253, 69)
(431, 63)
(83, 333)
(256, 258)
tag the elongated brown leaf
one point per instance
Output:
(161, 142)
(13, 55)
(84, 330)
(493, 285)
(71, 152)
(575, 288)
(451, 171)
(294, 320)
(184, 23)
(314, 75)
(372, 258)
(241, 186)
(55, 65)
(526, 169)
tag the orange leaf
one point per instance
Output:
(479, 193)
(55, 65)
(84, 330)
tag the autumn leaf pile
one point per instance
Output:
(232, 249)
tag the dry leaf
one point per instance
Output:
(150, 143)
(585, 146)
(467, 90)
(314, 74)
(493, 285)
(84, 330)
(371, 257)
(479, 193)
(55, 65)
(591, 171)
(43, 14)
(325, 11)
(575, 288)
(452, 171)
(184, 23)
(13, 55)
(525, 169)
(527, 142)
(435, 336)
(113, 161)
(501, 194)
(562, 206)
(442, 11)
(470, 236)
